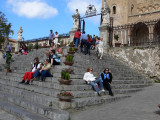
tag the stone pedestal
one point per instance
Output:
(104, 32)
(72, 35)
(17, 46)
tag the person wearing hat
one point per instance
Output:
(29, 75)
(59, 50)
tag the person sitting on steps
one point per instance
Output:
(106, 78)
(59, 50)
(91, 80)
(54, 58)
(29, 75)
(44, 72)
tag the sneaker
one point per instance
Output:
(99, 93)
(103, 90)
(111, 94)
(22, 82)
(27, 83)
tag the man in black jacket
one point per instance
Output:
(106, 77)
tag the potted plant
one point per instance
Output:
(117, 44)
(69, 60)
(71, 50)
(65, 78)
(65, 96)
(71, 44)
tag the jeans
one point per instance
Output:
(43, 74)
(76, 42)
(94, 85)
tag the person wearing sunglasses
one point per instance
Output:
(106, 79)
(91, 80)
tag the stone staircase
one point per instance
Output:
(39, 101)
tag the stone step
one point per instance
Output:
(36, 97)
(54, 84)
(48, 112)
(84, 102)
(42, 99)
(19, 112)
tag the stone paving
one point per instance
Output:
(141, 106)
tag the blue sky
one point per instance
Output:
(37, 17)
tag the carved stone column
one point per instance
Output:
(104, 32)
(151, 29)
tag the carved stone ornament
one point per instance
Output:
(91, 10)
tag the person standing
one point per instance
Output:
(100, 48)
(84, 43)
(77, 36)
(56, 39)
(8, 56)
(51, 36)
(106, 78)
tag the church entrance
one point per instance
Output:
(140, 35)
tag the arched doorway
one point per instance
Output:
(140, 35)
(156, 38)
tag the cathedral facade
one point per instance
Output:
(135, 22)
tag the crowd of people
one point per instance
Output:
(41, 70)
(87, 42)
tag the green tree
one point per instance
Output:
(5, 30)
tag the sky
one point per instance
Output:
(37, 17)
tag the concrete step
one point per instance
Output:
(47, 112)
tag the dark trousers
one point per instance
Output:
(84, 43)
(107, 86)
(43, 74)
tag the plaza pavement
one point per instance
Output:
(141, 106)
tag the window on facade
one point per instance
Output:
(114, 9)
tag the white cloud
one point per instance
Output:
(81, 5)
(32, 8)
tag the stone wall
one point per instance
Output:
(146, 60)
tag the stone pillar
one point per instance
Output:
(71, 35)
(129, 37)
(104, 32)
(151, 29)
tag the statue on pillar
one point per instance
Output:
(19, 39)
(20, 34)
(76, 18)
(105, 14)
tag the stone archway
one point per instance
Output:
(156, 37)
(139, 34)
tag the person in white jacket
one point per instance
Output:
(91, 80)
(100, 48)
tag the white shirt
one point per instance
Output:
(34, 68)
(101, 44)
(88, 76)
